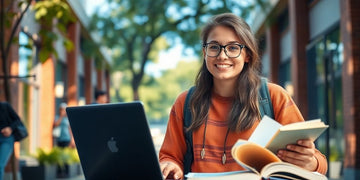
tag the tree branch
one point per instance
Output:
(2, 36)
(17, 23)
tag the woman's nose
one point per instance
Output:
(222, 55)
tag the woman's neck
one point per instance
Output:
(224, 88)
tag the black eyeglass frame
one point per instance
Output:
(224, 47)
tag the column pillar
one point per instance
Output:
(47, 103)
(74, 36)
(273, 47)
(299, 27)
(89, 90)
(99, 79)
(350, 34)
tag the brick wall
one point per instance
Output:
(74, 36)
(299, 27)
(350, 33)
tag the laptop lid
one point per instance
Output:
(114, 141)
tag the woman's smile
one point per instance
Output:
(223, 66)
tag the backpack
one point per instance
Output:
(265, 107)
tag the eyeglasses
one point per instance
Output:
(231, 50)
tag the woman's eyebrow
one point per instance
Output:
(213, 42)
(234, 42)
(231, 42)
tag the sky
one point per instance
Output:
(167, 59)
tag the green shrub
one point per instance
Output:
(57, 156)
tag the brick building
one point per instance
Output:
(73, 77)
(312, 48)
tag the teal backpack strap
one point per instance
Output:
(265, 104)
(188, 158)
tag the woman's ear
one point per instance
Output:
(204, 53)
(247, 58)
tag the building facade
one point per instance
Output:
(312, 48)
(38, 88)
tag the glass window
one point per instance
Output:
(285, 74)
(324, 66)
(25, 54)
(27, 90)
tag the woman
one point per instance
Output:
(225, 105)
(65, 139)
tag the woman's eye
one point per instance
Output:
(213, 47)
(233, 48)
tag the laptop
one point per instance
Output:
(114, 141)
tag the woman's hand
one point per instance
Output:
(6, 131)
(301, 154)
(171, 170)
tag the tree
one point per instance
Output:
(131, 28)
(161, 92)
(7, 16)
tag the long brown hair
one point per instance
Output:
(245, 109)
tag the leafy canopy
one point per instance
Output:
(133, 29)
(50, 14)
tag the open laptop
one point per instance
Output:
(114, 141)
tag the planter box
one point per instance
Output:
(68, 171)
(335, 169)
(42, 172)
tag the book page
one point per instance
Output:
(304, 124)
(289, 171)
(264, 131)
(251, 156)
(248, 175)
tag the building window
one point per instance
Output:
(324, 66)
(25, 54)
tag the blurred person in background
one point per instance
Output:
(8, 122)
(100, 97)
(64, 138)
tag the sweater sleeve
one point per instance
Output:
(174, 146)
(287, 112)
(322, 162)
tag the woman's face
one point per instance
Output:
(222, 67)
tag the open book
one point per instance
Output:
(259, 161)
(274, 136)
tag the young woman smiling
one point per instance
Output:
(225, 108)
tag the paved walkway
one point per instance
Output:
(81, 177)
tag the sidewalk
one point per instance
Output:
(80, 177)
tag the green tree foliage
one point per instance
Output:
(133, 28)
(159, 93)
(51, 14)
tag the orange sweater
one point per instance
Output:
(174, 146)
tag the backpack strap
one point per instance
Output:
(265, 104)
(265, 107)
(188, 158)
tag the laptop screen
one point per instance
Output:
(114, 141)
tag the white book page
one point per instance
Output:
(304, 125)
(264, 131)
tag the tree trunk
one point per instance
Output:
(135, 87)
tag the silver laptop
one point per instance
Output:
(114, 141)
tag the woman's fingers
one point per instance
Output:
(301, 154)
(171, 170)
